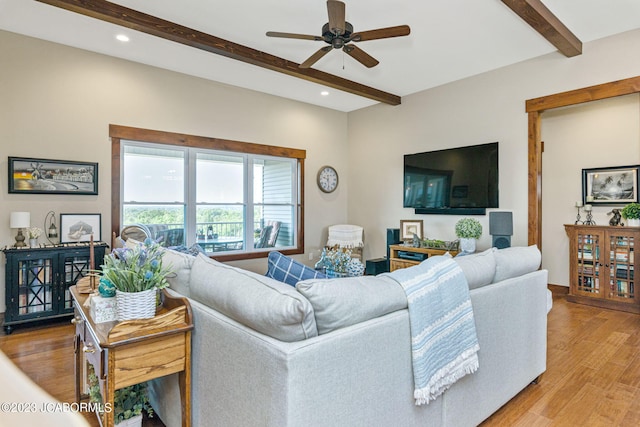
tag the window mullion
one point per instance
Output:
(190, 197)
(248, 202)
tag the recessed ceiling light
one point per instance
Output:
(122, 38)
(324, 93)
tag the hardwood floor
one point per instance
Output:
(592, 377)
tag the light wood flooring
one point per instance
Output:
(592, 377)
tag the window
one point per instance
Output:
(236, 200)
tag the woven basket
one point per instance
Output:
(136, 305)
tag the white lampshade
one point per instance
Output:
(20, 220)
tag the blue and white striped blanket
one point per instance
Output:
(444, 345)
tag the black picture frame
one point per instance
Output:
(46, 176)
(78, 227)
(617, 185)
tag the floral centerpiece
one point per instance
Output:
(135, 271)
(336, 261)
(631, 213)
(34, 233)
(468, 230)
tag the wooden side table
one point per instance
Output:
(134, 351)
(397, 261)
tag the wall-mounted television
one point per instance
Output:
(462, 180)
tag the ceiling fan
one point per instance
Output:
(339, 34)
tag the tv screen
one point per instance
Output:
(456, 178)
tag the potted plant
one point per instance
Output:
(468, 230)
(34, 233)
(136, 274)
(128, 402)
(631, 213)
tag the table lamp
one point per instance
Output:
(20, 220)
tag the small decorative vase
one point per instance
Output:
(136, 305)
(332, 274)
(33, 243)
(631, 222)
(355, 268)
(467, 245)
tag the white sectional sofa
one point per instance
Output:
(336, 352)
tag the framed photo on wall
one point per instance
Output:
(409, 227)
(79, 227)
(610, 186)
(42, 176)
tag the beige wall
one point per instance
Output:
(57, 102)
(491, 107)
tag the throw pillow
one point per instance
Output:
(261, 303)
(516, 261)
(479, 269)
(342, 302)
(287, 270)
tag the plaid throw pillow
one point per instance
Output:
(287, 270)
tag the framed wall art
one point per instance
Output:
(610, 186)
(79, 227)
(42, 176)
(409, 227)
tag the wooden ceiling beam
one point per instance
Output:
(129, 18)
(536, 14)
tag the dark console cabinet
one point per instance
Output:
(37, 281)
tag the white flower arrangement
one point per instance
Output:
(34, 232)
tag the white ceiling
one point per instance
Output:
(449, 40)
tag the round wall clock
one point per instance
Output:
(327, 179)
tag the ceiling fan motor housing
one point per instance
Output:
(337, 41)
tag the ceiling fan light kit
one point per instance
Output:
(338, 34)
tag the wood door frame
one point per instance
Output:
(535, 107)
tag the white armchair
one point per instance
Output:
(347, 236)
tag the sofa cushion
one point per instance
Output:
(516, 261)
(261, 303)
(285, 269)
(341, 302)
(479, 269)
(180, 265)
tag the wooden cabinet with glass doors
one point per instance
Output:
(602, 266)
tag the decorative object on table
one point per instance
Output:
(355, 268)
(128, 401)
(468, 230)
(616, 219)
(34, 233)
(441, 244)
(610, 185)
(409, 228)
(79, 227)
(136, 274)
(631, 213)
(43, 176)
(336, 261)
(589, 218)
(20, 220)
(50, 227)
(103, 309)
(327, 179)
(578, 218)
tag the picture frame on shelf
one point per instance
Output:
(78, 227)
(44, 176)
(610, 185)
(409, 227)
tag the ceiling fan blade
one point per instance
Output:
(381, 33)
(336, 11)
(293, 36)
(360, 55)
(316, 57)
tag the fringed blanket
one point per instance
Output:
(444, 344)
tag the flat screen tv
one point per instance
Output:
(461, 180)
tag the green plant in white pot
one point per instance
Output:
(136, 274)
(631, 213)
(468, 230)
